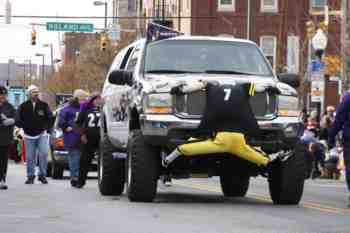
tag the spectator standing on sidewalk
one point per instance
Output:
(7, 121)
(89, 121)
(71, 133)
(326, 123)
(342, 123)
(35, 117)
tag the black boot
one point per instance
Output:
(80, 184)
(74, 183)
(42, 179)
(3, 185)
(30, 180)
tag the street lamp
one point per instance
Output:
(24, 70)
(51, 52)
(100, 3)
(42, 68)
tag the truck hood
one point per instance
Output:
(155, 83)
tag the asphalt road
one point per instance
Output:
(195, 205)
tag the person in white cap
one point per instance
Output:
(71, 133)
(35, 118)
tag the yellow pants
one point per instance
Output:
(225, 142)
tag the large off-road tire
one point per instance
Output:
(111, 172)
(286, 179)
(57, 171)
(233, 185)
(142, 169)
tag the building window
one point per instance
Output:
(226, 5)
(131, 5)
(318, 4)
(268, 46)
(293, 50)
(188, 4)
(269, 5)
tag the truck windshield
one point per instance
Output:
(205, 56)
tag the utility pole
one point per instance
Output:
(30, 71)
(343, 71)
(248, 18)
(8, 12)
(8, 71)
(106, 14)
(24, 74)
(163, 11)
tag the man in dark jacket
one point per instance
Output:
(71, 133)
(35, 117)
(7, 121)
(342, 123)
(89, 121)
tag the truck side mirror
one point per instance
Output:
(121, 77)
(290, 79)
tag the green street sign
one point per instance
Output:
(69, 27)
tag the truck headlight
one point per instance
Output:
(161, 103)
(288, 106)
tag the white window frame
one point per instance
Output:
(317, 8)
(270, 9)
(293, 42)
(227, 7)
(274, 38)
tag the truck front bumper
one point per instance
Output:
(163, 129)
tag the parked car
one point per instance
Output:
(58, 156)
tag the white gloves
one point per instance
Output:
(7, 121)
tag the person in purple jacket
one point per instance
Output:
(342, 123)
(71, 133)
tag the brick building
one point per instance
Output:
(277, 26)
(72, 43)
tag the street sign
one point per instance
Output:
(317, 90)
(320, 40)
(317, 69)
(317, 66)
(16, 96)
(69, 27)
(334, 78)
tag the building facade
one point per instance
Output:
(72, 43)
(17, 74)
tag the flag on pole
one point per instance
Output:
(158, 32)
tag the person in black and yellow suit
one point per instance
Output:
(227, 120)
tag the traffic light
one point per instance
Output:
(103, 42)
(33, 42)
(310, 29)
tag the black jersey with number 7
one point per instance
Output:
(228, 109)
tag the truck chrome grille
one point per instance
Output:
(192, 105)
